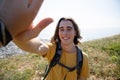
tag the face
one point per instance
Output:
(66, 32)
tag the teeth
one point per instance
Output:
(65, 38)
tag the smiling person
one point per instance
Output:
(16, 17)
(71, 63)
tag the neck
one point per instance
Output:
(69, 48)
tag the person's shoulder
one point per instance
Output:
(51, 52)
(85, 55)
(51, 44)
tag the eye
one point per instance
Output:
(61, 29)
(69, 29)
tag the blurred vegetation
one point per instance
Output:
(104, 61)
(23, 67)
(104, 56)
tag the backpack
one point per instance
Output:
(56, 60)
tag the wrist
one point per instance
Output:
(5, 36)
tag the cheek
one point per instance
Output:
(73, 35)
(59, 34)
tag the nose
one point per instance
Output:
(65, 32)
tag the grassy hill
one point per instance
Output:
(104, 61)
(104, 58)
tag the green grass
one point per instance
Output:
(104, 61)
(21, 67)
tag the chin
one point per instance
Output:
(65, 42)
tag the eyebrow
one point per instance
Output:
(67, 27)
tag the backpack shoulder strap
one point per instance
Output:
(57, 55)
(55, 60)
(79, 60)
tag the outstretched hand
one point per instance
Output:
(18, 17)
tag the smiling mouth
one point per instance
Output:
(65, 38)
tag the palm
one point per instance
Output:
(16, 14)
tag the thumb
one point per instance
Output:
(42, 24)
(34, 31)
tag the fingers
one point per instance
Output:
(43, 23)
(29, 3)
(40, 26)
(35, 3)
(34, 6)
